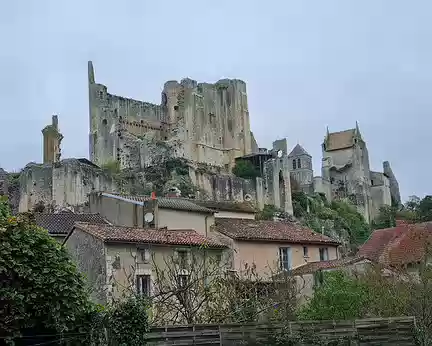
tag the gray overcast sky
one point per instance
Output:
(307, 64)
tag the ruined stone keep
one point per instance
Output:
(198, 130)
(203, 122)
(346, 174)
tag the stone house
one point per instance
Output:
(272, 246)
(250, 241)
(121, 260)
(170, 212)
(59, 224)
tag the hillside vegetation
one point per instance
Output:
(338, 219)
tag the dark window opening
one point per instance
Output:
(323, 252)
(305, 251)
(372, 182)
(285, 258)
(298, 163)
(182, 259)
(176, 108)
(143, 285)
(183, 281)
(104, 122)
(294, 164)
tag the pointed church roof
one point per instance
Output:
(298, 151)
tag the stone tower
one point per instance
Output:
(346, 166)
(51, 142)
(301, 168)
(203, 122)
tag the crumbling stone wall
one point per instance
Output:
(204, 122)
(35, 185)
(64, 184)
(380, 192)
(394, 185)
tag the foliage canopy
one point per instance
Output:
(245, 169)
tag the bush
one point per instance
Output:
(245, 169)
(128, 322)
(40, 288)
(340, 297)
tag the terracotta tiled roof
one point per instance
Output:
(290, 232)
(176, 203)
(242, 207)
(340, 140)
(110, 233)
(61, 223)
(312, 267)
(403, 244)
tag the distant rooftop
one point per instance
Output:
(271, 231)
(61, 223)
(298, 151)
(118, 234)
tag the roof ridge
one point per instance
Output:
(137, 227)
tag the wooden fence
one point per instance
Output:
(377, 331)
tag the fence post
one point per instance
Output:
(220, 335)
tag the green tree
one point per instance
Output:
(386, 218)
(245, 169)
(41, 291)
(339, 297)
(128, 322)
(316, 212)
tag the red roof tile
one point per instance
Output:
(313, 267)
(403, 244)
(110, 233)
(290, 232)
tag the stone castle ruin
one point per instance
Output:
(346, 173)
(187, 146)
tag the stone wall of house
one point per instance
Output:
(88, 253)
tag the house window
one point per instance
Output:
(294, 164)
(143, 285)
(323, 254)
(183, 281)
(218, 258)
(285, 258)
(305, 251)
(298, 163)
(182, 257)
(145, 255)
